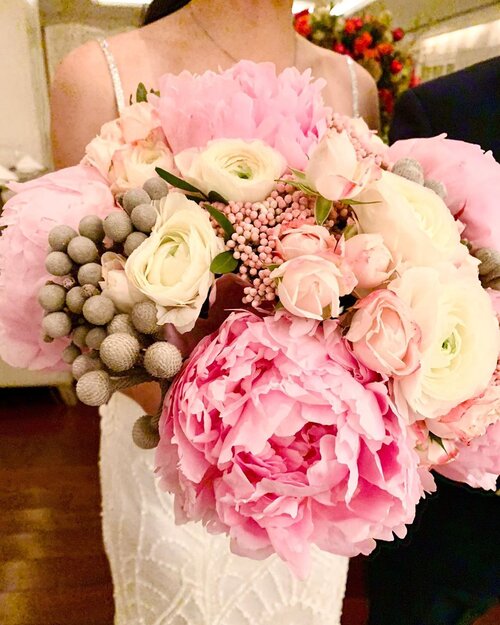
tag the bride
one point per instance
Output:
(166, 574)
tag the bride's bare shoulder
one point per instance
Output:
(335, 70)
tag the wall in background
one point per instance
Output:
(24, 100)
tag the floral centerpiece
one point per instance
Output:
(372, 41)
(318, 309)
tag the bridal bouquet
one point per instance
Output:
(319, 309)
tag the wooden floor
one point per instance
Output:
(53, 570)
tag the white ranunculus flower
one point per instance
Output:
(243, 171)
(414, 222)
(172, 266)
(116, 285)
(460, 340)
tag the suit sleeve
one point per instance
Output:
(410, 119)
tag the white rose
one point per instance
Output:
(132, 165)
(460, 340)
(116, 285)
(414, 222)
(100, 150)
(334, 169)
(172, 266)
(243, 171)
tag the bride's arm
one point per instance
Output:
(368, 98)
(82, 101)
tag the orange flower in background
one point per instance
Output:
(350, 26)
(339, 47)
(362, 42)
(371, 53)
(385, 48)
(302, 23)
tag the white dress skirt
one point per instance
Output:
(168, 574)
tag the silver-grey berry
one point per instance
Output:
(156, 188)
(56, 324)
(133, 241)
(91, 227)
(52, 297)
(133, 198)
(58, 263)
(60, 236)
(82, 250)
(99, 310)
(117, 226)
(90, 273)
(144, 217)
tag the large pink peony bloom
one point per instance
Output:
(274, 433)
(62, 197)
(472, 180)
(248, 101)
(478, 462)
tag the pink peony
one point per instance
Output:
(384, 334)
(471, 178)
(274, 433)
(248, 101)
(477, 462)
(62, 197)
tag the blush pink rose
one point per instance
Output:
(384, 334)
(471, 178)
(280, 438)
(311, 286)
(370, 260)
(303, 240)
(133, 164)
(478, 462)
(335, 170)
(62, 197)
(116, 285)
(131, 138)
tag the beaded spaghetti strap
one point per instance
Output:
(354, 86)
(114, 73)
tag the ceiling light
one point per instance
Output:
(346, 7)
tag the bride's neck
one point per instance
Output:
(255, 29)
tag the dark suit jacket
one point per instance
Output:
(465, 105)
(447, 571)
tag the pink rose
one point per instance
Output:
(384, 335)
(478, 462)
(133, 164)
(311, 286)
(334, 169)
(116, 285)
(281, 439)
(431, 451)
(471, 178)
(62, 197)
(370, 260)
(137, 123)
(304, 240)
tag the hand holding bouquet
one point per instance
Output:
(304, 295)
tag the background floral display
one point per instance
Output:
(371, 40)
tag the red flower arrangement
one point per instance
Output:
(373, 42)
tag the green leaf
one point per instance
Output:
(176, 182)
(348, 202)
(224, 263)
(154, 92)
(298, 174)
(221, 219)
(322, 209)
(213, 196)
(350, 231)
(438, 440)
(141, 95)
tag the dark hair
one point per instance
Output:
(161, 8)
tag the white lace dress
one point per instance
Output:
(167, 574)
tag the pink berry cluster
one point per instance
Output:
(254, 241)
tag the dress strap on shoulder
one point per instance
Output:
(114, 73)
(354, 86)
